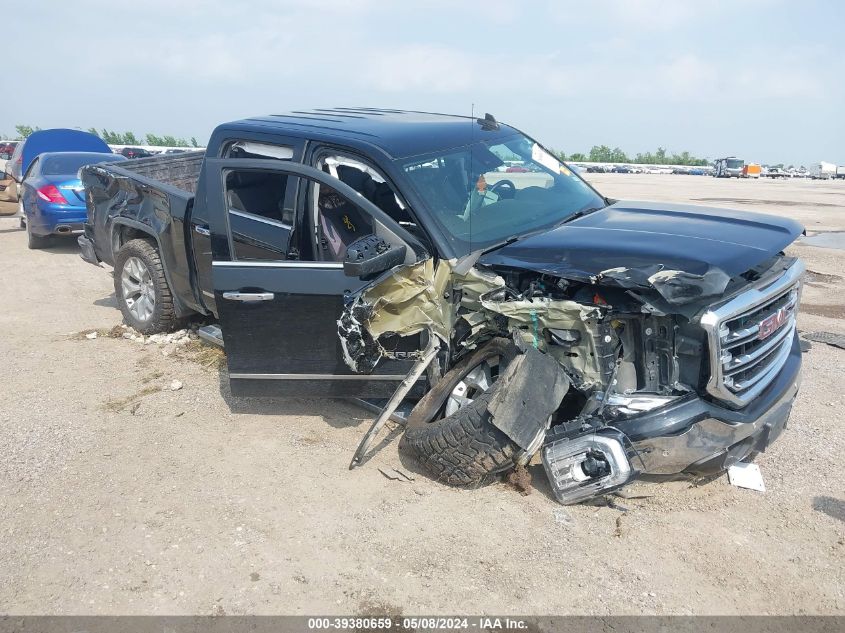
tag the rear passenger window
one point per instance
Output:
(260, 208)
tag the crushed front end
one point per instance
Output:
(670, 375)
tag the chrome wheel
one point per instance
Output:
(138, 289)
(477, 381)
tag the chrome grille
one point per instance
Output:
(750, 337)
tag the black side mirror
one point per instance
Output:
(371, 255)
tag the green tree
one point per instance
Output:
(578, 157)
(600, 154)
(25, 130)
(194, 142)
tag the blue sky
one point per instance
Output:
(762, 79)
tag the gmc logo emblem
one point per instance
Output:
(771, 324)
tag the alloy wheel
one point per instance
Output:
(138, 289)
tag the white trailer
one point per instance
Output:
(822, 171)
(840, 171)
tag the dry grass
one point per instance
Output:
(120, 404)
(205, 355)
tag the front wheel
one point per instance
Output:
(450, 431)
(141, 288)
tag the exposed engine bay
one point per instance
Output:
(625, 343)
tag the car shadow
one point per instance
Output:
(337, 413)
(107, 302)
(62, 246)
(830, 506)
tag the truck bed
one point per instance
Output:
(177, 170)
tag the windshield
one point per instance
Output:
(70, 164)
(483, 194)
(735, 163)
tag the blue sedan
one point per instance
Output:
(52, 196)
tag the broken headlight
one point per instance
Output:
(635, 404)
(582, 467)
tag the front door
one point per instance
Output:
(279, 313)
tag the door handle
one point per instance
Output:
(202, 230)
(249, 296)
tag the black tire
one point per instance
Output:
(35, 242)
(463, 449)
(163, 317)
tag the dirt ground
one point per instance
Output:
(119, 495)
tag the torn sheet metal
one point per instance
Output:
(407, 300)
(675, 286)
(531, 389)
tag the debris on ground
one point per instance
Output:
(618, 531)
(561, 516)
(176, 385)
(185, 343)
(520, 479)
(745, 475)
(395, 475)
(830, 338)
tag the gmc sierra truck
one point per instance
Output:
(362, 252)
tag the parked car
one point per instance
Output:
(384, 253)
(775, 172)
(7, 148)
(52, 199)
(622, 169)
(54, 140)
(135, 152)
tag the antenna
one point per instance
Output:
(471, 172)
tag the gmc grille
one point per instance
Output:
(750, 337)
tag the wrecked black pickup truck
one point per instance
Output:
(357, 252)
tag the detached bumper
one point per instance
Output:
(86, 250)
(697, 437)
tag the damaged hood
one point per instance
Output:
(649, 237)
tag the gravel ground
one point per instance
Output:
(121, 495)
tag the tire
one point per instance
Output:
(464, 448)
(35, 242)
(141, 288)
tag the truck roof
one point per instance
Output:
(399, 133)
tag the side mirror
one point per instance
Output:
(371, 255)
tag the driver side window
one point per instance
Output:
(337, 221)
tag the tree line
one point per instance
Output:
(604, 154)
(121, 138)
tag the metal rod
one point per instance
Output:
(404, 387)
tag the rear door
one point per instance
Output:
(278, 313)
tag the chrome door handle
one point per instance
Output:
(202, 230)
(249, 296)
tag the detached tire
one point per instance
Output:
(464, 448)
(141, 288)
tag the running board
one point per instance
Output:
(376, 405)
(211, 334)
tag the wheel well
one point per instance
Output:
(122, 234)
